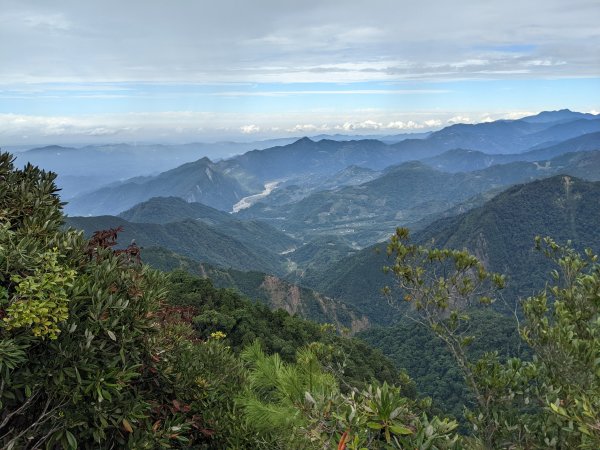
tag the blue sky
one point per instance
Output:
(191, 71)
(271, 98)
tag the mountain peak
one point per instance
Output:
(49, 148)
(558, 115)
(409, 165)
(304, 140)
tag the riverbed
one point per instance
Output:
(246, 202)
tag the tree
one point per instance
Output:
(80, 337)
(551, 401)
(299, 405)
(440, 284)
(76, 325)
(563, 327)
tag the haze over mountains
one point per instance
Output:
(328, 199)
(303, 227)
(222, 184)
(90, 167)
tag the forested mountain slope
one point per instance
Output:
(200, 180)
(462, 160)
(427, 361)
(244, 321)
(500, 232)
(406, 194)
(171, 209)
(99, 350)
(190, 238)
(273, 291)
(253, 233)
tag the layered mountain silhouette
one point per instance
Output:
(222, 184)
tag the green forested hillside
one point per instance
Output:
(317, 255)
(255, 234)
(500, 232)
(200, 181)
(583, 143)
(301, 186)
(358, 280)
(350, 176)
(426, 359)
(272, 291)
(370, 211)
(244, 321)
(580, 164)
(190, 238)
(173, 209)
(464, 160)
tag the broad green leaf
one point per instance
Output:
(71, 439)
(399, 429)
(375, 425)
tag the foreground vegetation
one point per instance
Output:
(433, 368)
(99, 351)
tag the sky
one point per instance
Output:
(197, 70)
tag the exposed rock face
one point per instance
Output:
(307, 303)
(281, 294)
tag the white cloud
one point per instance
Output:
(514, 115)
(188, 126)
(250, 129)
(408, 125)
(432, 123)
(364, 125)
(458, 119)
(306, 128)
(373, 125)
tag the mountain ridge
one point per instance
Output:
(190, 238)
